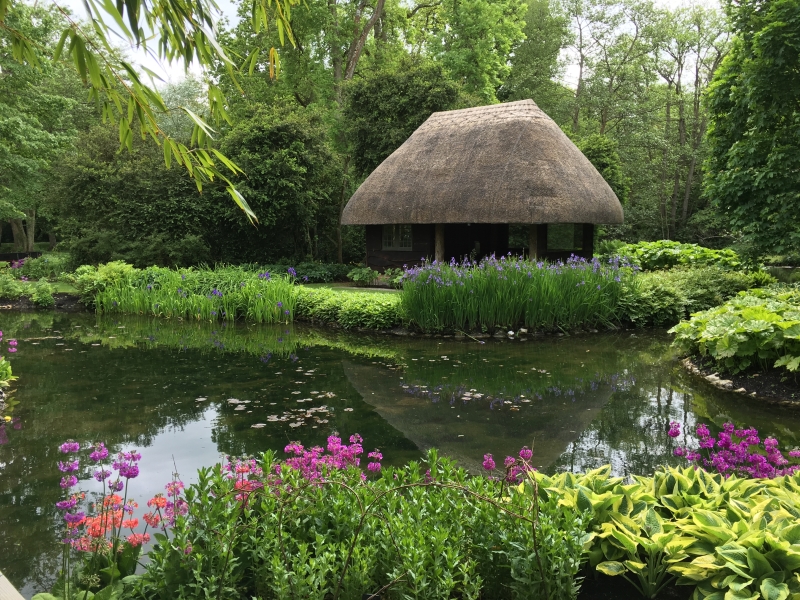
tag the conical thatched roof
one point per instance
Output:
(506, 163)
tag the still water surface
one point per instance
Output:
(187, 394)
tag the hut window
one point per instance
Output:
(397, 237)
(564, 237)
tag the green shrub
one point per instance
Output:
(362, 276)
(422, 531)
(756, 328)
(370, 311)
(665, 254)
(307, 272)
(663, 298)
(348, 309)
(90, 280)
(10, 288)
(49, 266)
(42, 295)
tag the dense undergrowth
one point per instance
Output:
(755, 329)
(315, 525)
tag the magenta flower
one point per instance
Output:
(702, 430)
(69, 481)
(509, 461)
(674, 429)
(67, 504)
(100, 452)
(74, 518)
(69, 446)
(526, 453)
(488, 462)
(374, 466)
(102, 474)
(12, 349)
(174, 487)
(68, 467)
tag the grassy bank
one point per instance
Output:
(493, 294)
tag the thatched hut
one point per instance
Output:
(456, 184)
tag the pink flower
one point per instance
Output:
(488, 462)
(674, 429)
(526, 453)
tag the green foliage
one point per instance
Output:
(9, 287)
(510, 293)
(753, 168)
(759, 328)
(6, 376)
(49, 266)
(348, 309)
(722, 535)
(225, 293)
(90, 280)
(42, 295)
(438, 537)
(362, 276)
(384, 108)
(665, 254)
(663, 298)
(603, 154)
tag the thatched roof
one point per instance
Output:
(506, 163)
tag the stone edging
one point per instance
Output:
(727, 385)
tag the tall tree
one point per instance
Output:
(753, 168)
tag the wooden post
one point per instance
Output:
(533, 241)
(439, 244)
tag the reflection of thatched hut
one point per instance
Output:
(456, 184)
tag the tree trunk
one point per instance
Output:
(342, 204)
(20, 239)
(439, 243)
(51, 238)
(30, 228)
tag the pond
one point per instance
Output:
(186, 394)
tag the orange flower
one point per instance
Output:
(130, 523)
(158, 501)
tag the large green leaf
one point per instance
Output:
(771, 590)
(611, 567)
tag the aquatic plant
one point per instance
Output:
(737, 452)
(224, 293)
(512, 292)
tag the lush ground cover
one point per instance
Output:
(755, 329)
(317, 525)
(665, 254)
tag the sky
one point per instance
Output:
(174, 73)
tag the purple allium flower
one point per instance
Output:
(488, 462)
(674, 429)
(116, 486)
(69, 481)
(702, 430)
(679, 451)
(526, 453)
(794, 453)
(376, 454)
(509, 461)
(129, 471)
(374, 467)
(69, 446)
